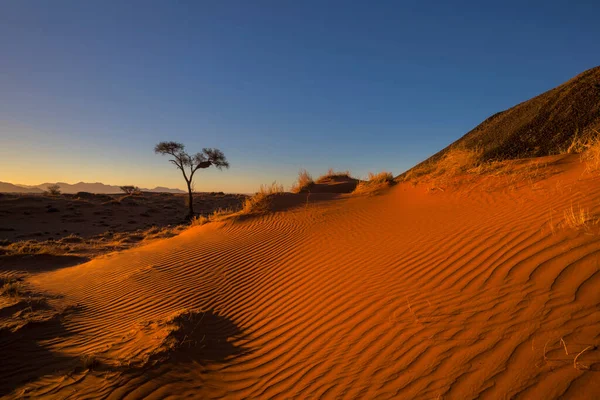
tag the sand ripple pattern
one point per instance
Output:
(456, 295)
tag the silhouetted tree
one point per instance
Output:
(53, 190)
(190, 164)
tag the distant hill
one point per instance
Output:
(540, 126)
(10, 188)
(96, 187)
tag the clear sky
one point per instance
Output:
(87, 88)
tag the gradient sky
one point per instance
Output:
(87, 88)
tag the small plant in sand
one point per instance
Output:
(304, 182)
(53, 190)
(261, 200)
(375, 183)
(577, 218)
(11, 288)
(591, 155)
(589, 149)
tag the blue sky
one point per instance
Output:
(87, 88)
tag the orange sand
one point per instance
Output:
(458, 294)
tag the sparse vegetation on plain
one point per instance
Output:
(130, 189)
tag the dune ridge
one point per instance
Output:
(460, 294)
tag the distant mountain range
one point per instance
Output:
(97, 187)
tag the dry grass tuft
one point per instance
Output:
(199, 220)
(12, 288)
(458, 161)
(259, 203)
(455, 162)
(332, 174)
(375, 183)
(304, 182)
(577, 218)
(589, 149)
(591, 156)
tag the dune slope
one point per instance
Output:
(447, 295)
(539, 126)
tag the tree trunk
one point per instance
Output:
(190, 202)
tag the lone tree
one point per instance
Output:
(190, 164)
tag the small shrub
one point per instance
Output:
(130, 189)
(53, 190)
(304, 182)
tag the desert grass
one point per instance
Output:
(303, 183)
(332, 174)
(591, 155)
(458, 161)
(74, 245)
(562, 343)
(375, 183)
(11, 288)
(455, 162)
(589, 149)
(199, 220)
(217, 215)
(260, 201)
(577, 218)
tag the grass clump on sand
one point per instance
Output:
(303, 183)
(588, 148)
(458, 161)
(215, 216)
(375, 183)
(591, 155)
(332, 174)
(259, 203)
(454, 162)
(11, 288)
(577, 218)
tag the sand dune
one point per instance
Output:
(459, 294)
